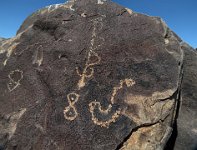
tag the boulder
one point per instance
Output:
(187, 119)
(90, 75)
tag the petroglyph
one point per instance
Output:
(100, 2)
(11, 45)
(128, 82)
(93, 58)
(14, 120)
(15, 77)
(105, 123)
(83, 15)
(129, 11)
(8, 122)
(88, 65)
(9, 52)
(51, 8)
(2, 49)
(70, 112)
(38, 45)
(71, 8)
(38, 57)
(93, 105)
(166, 41)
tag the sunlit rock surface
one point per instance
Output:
(90, 75)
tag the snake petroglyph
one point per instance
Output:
(70, 112)
(93, 105)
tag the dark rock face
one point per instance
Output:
(187, 119)
(89, 75)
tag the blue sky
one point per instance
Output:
(180, 15)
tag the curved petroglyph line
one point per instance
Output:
(12, 85)
(96, 121)
(39, 44)
(94, 104)
(12, 44)
(70, 112)
(9, 52)
(128, 82)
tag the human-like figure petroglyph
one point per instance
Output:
(70, 112)
(93, 105)
(15, 77)
(93, 58)
(89, 66)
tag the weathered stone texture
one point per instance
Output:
(89, 75)
(187, 119)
